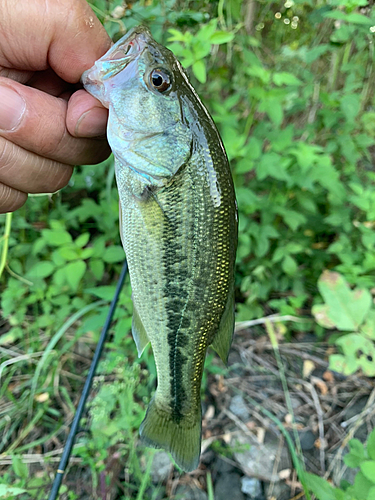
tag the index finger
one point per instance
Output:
(62, 34)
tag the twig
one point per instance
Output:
(242, 325)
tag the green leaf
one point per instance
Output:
(356, 455)
(103, 292)
(320, 487)
(19, 467)
(220, 37)
(347, 309)
(368, 328)
(371, 445)
(362, 485)
(368, 470)
(320, 312)
(41, 270)
(356, 18)
(114, 254)
(350, 105)
(343, 364)
(289, 265)
(97, 268)
(285, 78)
(82, 240)
(6, 490)
(199, 70)
(74, 272)
(56, 238)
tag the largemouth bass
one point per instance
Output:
(178, 225)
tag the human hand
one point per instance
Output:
(46, 124)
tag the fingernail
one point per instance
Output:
(12, 108)
(93, 123)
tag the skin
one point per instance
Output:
(45, 46)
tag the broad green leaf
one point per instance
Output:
(285, 78)
(362, 485)
(320, 487)
(289, 265)
(221, 37)
(97, 268)
(6, 490)
(371, 494)
(343, 364)
(356, 454)
(56, 237)
(368, 470)
(347, 309)
(350, 105)
(356, 18)
(199, 70)
(82, 240)
(68, 252)
(371, 445)
(74, 272)
(103, 292)
(368, 328)
(41, 270)
(19, 467)
(320, 312)
(114, 254)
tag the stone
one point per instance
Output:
(279, 490)
(251, 487)
(307, 440)
(258, 460)
(228, 486)
(161, 467)
(239, 407)
(186, 492)
(222, 466)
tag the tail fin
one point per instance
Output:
(182, 440)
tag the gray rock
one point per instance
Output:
(222, 466)
(251, 486)
(279, 490)
(239, 407)
(161, 467)
(228, 486)
(185, 492)
(307, 439)
(259, 460)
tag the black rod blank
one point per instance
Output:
(86, 390)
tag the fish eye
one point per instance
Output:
(160, 80)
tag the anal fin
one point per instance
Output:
(139, 333)
(223, 338)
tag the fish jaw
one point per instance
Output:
(98, 80)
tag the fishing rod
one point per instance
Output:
(86, 390)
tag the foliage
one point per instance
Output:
(363, 488)
(348, 311)
(291, 88)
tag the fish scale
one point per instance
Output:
(178, 223)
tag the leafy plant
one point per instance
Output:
(359, 456)
(348, 311)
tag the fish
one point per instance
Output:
(178, 226)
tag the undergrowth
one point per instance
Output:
(291, 88)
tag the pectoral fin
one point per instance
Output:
(223, 339)
(139, 333)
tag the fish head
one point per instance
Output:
(140, 81)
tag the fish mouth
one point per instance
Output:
(118, 57)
